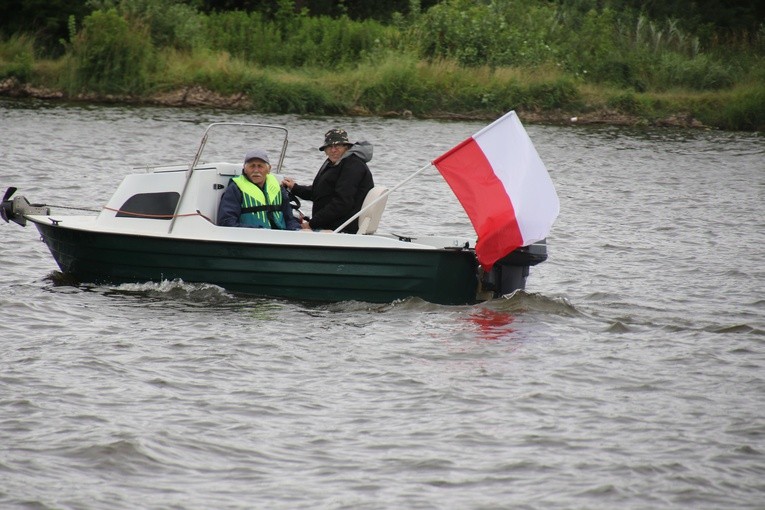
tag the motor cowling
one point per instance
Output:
(509, 273)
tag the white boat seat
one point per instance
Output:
(210, 186)
(370, 219)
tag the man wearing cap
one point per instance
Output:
(255, 199)
(340, 186)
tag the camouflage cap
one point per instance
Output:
(335, 137)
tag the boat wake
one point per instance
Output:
(518, 302)
(523, 301)
(178, 290)
(175, 289)
(166, 289)
(59, 279)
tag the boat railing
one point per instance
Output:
(201, 148)
(205, 136)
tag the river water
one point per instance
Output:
(629, 375)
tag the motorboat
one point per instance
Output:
(160, 225)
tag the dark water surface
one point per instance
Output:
(629, 375)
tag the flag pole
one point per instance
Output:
(383, 195)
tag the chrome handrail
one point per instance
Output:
(200, 149)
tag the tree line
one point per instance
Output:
(48, 20)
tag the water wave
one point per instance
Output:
(177, 290)
(524, 301)
(628, 375)
(174, 290)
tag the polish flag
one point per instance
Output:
(503, 186)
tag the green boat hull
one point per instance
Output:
(312, 273)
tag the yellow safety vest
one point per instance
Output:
(261, 207)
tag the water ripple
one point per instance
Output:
(627, 375)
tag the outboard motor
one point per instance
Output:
(14, 210)
(509, 273)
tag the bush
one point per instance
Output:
(297, 41)
(508, 96)
(744, 110)
(171, 23)
(589, 47)
(268, 95)
(557, 94)
(497, 33)
(626, 103)
(397, 88)
(615, 71)
(245, 36)
(698, 73)
(111, 55)
(17, 57)
(326, 41)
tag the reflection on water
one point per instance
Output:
(492, 325)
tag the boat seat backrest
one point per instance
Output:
(209, 188)
(370, 219)
(229, 169)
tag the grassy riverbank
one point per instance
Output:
(423, 65)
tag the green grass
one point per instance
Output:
(459, 59)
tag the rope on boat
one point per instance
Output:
(156, 216)
(68, 207)
(127, 213)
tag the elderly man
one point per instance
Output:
(255, 199)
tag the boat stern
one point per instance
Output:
(510, 272)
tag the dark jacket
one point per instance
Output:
(338, 191)
(230, 208)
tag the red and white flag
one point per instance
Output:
(503, 186)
